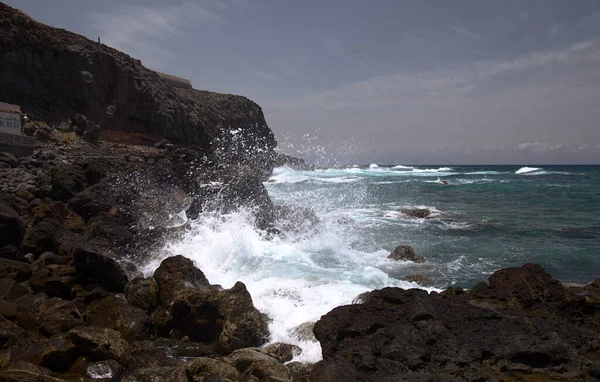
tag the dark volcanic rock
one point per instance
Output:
(419, 213)
(406, 253)
(48, 235)
(142, 293)
(58, 316)
(226, 318)
(412, 335)
(12, 228)
(59, 353)
(174, 274)
(115, 313)
(100, 343)
(95, 268)
(115, 91)
(16, 270)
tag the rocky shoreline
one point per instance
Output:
(104, 191)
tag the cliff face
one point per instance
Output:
(54, 74)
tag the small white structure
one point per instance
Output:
(10, 118)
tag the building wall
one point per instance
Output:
(19, 145)
(10, 123)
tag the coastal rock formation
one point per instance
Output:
(405, 253)
(115, 91)
(523, 324)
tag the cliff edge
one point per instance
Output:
(55, 74)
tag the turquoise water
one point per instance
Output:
(485, 217)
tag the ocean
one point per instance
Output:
(483, 218)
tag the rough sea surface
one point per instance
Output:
(483, 218)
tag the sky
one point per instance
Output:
(378, 81)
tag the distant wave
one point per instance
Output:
(401, 167)
(527, 170)
(373, 166)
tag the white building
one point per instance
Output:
(10, 118)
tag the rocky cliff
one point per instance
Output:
(54, 74)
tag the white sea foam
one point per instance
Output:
(373, 165)
(294, 278)
(401, 167)
(527, 170)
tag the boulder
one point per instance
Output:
(55, 282)
(225, 318)
(67, 181)
(104, 370)
(10, 289)
(142, 293)
(56, 316)
(99, 344)
(257, 363)
(8, 309)
(61, 213)
(12, 227)
(406, 253)
(107, 231)
(156, 373)
(211, 366)
(524, 324)
(174, 274)
(16, 270)
(115, 313)
(418, 279)
(419, 213)
(48, 235)
(96, 268)
(13, 335)
(282, 352)
(92, 201)
(28, 307)
(59, 353)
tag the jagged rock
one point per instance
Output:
(12, 227)
(299, 372)
(115, 313)
(67, 181)
(13, 335)
(100, 344)
(156, 373)
(521, 324)
(15, 354)
(99, 269)
(55, 282)
(10, 289)
(16, 270)
(142, 293)
(59, 212)
(419, 213)
(226, 318)
(282, 352)
(304, 332)
(91, 201)
(27, 372)
(107, 231)
(58, 316)
(258, 364)
(28, 307)
(175, 273)
(406, 253)
(418, 279)
(82, 298)
(211, 366)
(12, 252)
(48, 235)
(103, 370)
(59, 353)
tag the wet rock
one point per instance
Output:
(419, 213)
(304, 332)
(282, 352)
(519, 325)
(15, 354)
(91, 201)
(257, 363)
(107, 370)
(156, 373)
(54, 283)
(67, 181)
(175, 273)
(8, 309)
(28, 307)
(12, 227)
(96, 268)
(12, 252)
(100, 344)
(13, 335)
(299, 372)
(59, 212)
(418, 279)
(16, 270)
(406, 253)
(211, 366)
(27, 372)
(48, 235)
(226, 318)
(10, 289)
(58, 316)
(108, 231)
(59, 353)
(115, 313)
(142, 293)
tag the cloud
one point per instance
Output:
(464, 32)
(539, 147)
(146, 32)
